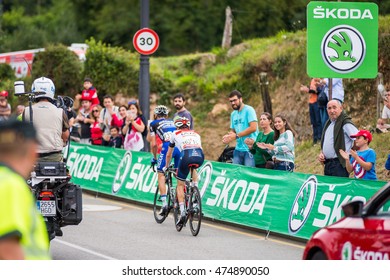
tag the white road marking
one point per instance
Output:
(221, 227)
(84, 249)
(97, 207)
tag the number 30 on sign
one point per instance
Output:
(146, 41)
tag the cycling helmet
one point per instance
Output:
(43, 87)
(181, 122)
(4, 93)
(161, 110)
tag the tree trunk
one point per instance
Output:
(227, 33)
(263, 82)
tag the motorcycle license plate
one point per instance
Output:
(47, 207)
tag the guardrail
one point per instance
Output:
(293, 204)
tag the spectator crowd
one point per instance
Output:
(265, 143)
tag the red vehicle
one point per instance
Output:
(362, 234)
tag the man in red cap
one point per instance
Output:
(362, 161)
(5, 108)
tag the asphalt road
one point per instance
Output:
(113, 230)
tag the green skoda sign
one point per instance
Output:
(342, 39)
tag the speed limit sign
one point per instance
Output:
(146, 41)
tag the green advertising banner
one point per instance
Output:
(293, 204)
(342, 39)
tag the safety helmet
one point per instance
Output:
(161, 110)
(43, 87)
(4, 93)
(181, 122)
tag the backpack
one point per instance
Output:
(227, 155)
(322, 99)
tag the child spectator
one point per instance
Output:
(89, 91)
(387, 165)
(362, 161)
(116, 138)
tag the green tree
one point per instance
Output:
(61, 65)
(22, 28)
(113, 69)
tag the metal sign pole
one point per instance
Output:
(144, 75)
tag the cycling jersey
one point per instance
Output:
(189, 144)
(19, 216)
(163, 129)
(185, 139)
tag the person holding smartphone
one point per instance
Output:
(133, 128)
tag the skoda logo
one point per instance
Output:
(343, 49)
(346, 251)
(302, 205)
(204, 174)
(121, 172)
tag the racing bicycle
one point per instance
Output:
(192, 203)
(171, 196)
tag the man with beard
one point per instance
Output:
(243, 124)
(179, 101)
(335, 136)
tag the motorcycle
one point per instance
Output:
(57, 199)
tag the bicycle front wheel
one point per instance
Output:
(195, 213)
(157, 206)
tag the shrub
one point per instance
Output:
(61, 65)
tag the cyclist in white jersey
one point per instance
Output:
(190, 146)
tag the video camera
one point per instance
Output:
(63, 102)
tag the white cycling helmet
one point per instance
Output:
(161, 110)
(181, 122)
(43, 87)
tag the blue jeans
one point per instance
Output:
(315, 120)
(284, 166)
(243, 158)
(324, 116)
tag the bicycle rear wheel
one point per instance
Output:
(195, 211)
(157, 205)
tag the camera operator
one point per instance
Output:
(51, 122)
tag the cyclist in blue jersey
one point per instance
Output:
(162, 127)
(189, 144)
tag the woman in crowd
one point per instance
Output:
(120, 121)
(262, 158)
(133, 128)
(282, 150)
(96, 126)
